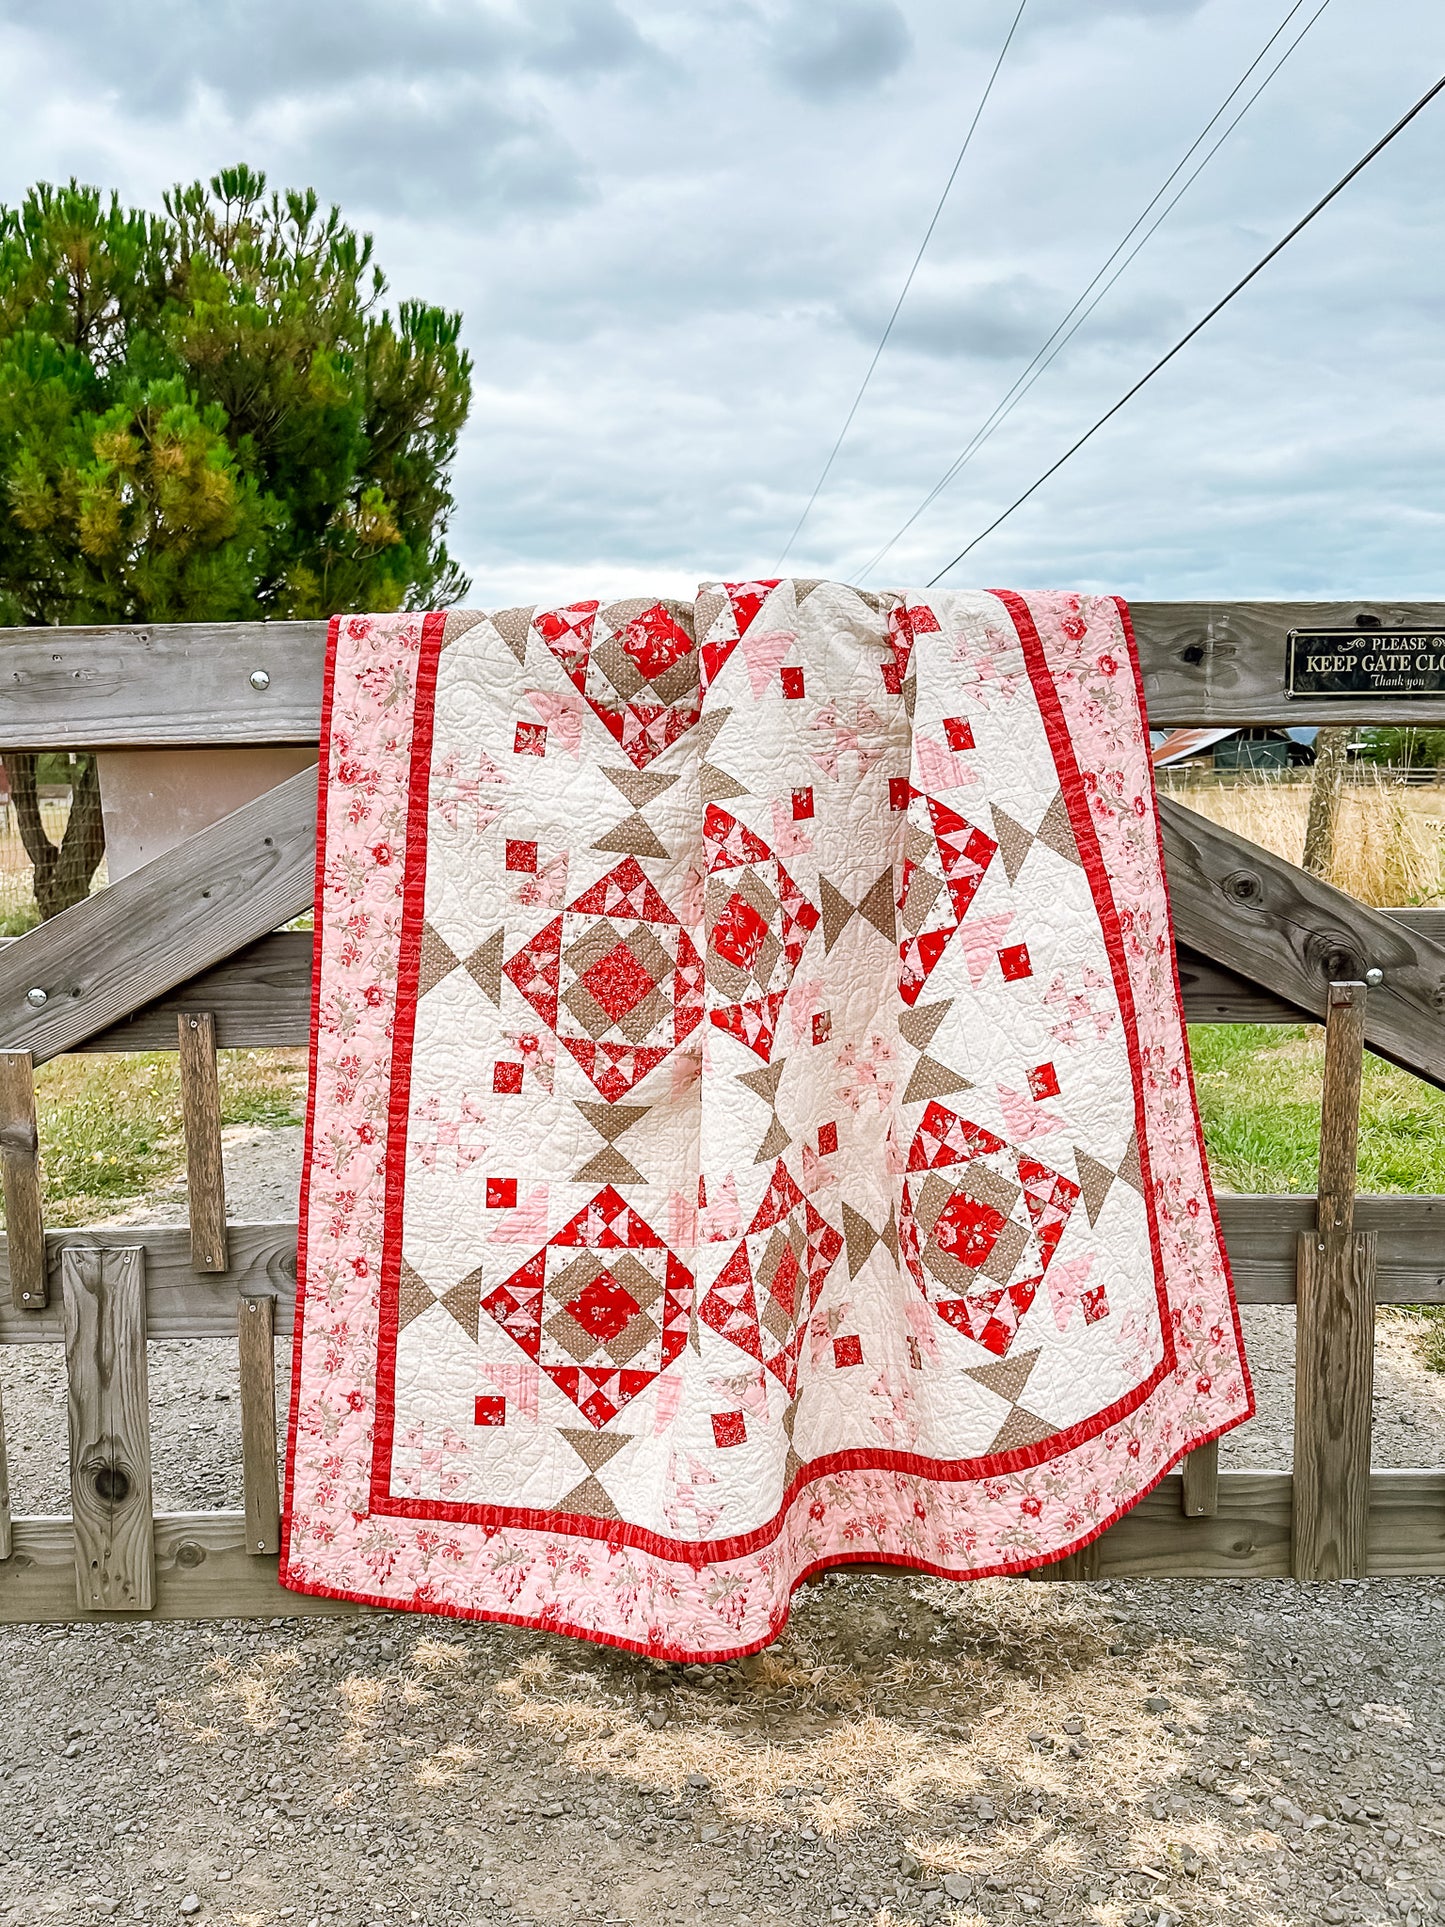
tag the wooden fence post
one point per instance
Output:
(201, 1116)
(20, 1177)
(1335, 1325)
(102, 1293)
(255, 1327)
(1201, 1481)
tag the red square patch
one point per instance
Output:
(892, 677)
(506, 1079)
(501, 1192)
(522, 856)
(729, 1428)
(899, 789)
(847, 1351)
(530, 740)
(491, 1410)
(822, 1026)
(792, 680)
(958, 732)
(802, 804)
(1044, 1081)
(827, 1138)
(1014, 962)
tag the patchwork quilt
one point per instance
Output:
(751, 1126)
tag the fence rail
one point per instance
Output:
(185, 953)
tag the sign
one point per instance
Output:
(1366, 662)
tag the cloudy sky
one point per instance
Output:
(676, 229)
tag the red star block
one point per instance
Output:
(530, 740)
(1014, 962)
(967, 1229)
(802, 804)
(603, 1308)
(729, 1428)
(1043, 1081)
(506, 1079)
(792, 681)
(618, 982)
(847, 1351)
(827, 1138)
(899, 790)
(958, 732)
(491, 1410)
(501, 1192)
(522, 856)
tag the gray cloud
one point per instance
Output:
(844, 47)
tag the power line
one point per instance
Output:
(1340, 185)
(903, 292)
(1079, 313)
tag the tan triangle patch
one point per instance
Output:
(464, 1301)
(764, 1080)
(438, 960)
(706, 609)
(513, 626)
(717, 786)
(860, 1238)
(1129, 1169)
(837, 912)
(705, 730)
(775, 1143)
(611, 1120)
(931, 1079)
(413, 1296)
(639, 786)
(633, 836)
(590, 1500)
(1014, 843)
(1056, 832)
(880, 908)
(594, 1448)
(888, 1236)
(484, 966)
(1095, 1181)
(457, 623)
(1021, 1428)
(609, 1167)
(919, 1024)
(1006, 1376)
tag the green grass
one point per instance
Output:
(110, 1126)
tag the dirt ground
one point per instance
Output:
(1156, 1754)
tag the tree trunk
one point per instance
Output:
(62, 870)
(1329, 773)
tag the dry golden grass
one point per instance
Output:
(1389, 840)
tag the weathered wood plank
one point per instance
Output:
(1335, 1324)
(258, 1422)
(102, 1297)
(102, 959)
(1406, 1531)
(202, 1571)
(1083, 1564)
(201, 1117)
(1199, 1482)
(259, 999)
(1260, 1233)
(161, 684)
(1247, 1538)
(1275, 925)
(20, 1182)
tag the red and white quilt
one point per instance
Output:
(751, 1126)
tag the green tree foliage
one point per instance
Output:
(210, 414)
(1402, 748)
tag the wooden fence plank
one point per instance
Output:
(1276, 925)
(103, 958)
(158, 685)
(102, 1295)
(201, 1117)
(258, 1422)
(202, 1571)
(20, 1182)
(1261, 1235)
(1335, 1325)
(259, 999)
(1199, 1482)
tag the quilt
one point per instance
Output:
(751, 1127)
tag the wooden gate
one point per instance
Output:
(185, 953)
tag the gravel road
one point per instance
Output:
(1156, 1754)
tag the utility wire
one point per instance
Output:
(1079, 313)
(1340, 185)
(903, 292)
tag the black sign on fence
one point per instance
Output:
(1366, 662)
